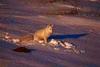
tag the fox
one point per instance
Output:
(43, 34)
(40, 35)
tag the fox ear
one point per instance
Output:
(50, 25)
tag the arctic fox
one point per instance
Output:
(39, 35)
(43, 33)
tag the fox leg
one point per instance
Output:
(45, 40)
(36, 39)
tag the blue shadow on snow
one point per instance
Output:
(73, 36)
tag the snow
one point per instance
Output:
(20, 18)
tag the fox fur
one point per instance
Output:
(44, 33)
(39, 35)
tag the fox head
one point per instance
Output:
(49, 28)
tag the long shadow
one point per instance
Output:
(73, 36)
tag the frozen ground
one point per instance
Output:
(21, 17)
